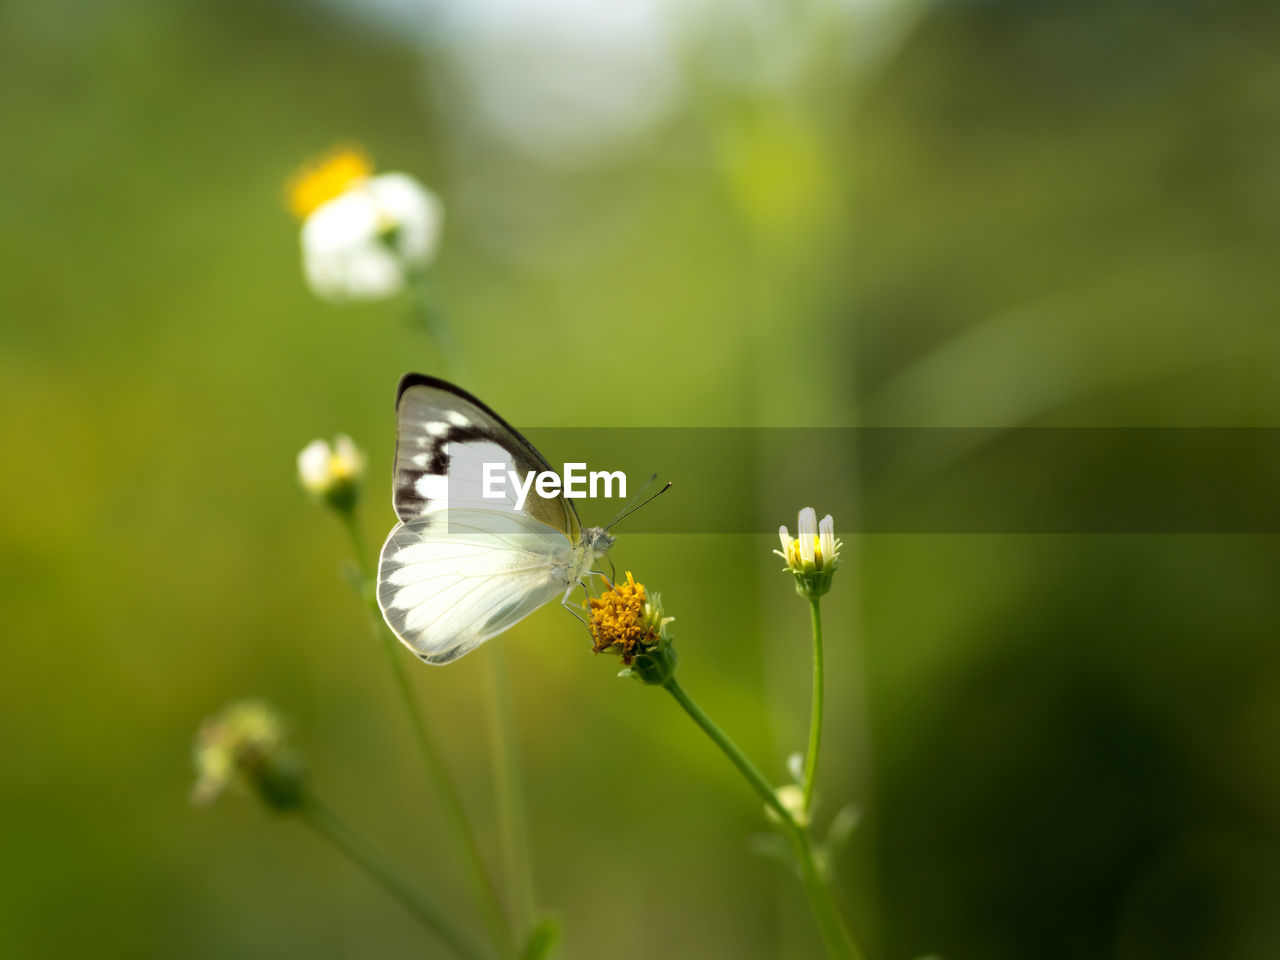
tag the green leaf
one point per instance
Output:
(543, 940)
(842, 826)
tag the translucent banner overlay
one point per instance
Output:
(932, 480)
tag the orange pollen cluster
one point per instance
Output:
(616, 620)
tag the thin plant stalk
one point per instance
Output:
(432, 758)
(836, 935)
(430, 314)
(815, 720)
(430, 913)
(513, 824)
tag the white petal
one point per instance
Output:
(808, 523)
(827, 537)
(807, 533)
(414, 211)
(349, 219)
(344, 254)
(370, 272)
(313, 465)
(348, 453)
(785, 536)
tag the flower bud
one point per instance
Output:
(791, 797)
(248, 745)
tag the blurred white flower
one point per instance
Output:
(332, 473)
(247, 743)
(363, 236)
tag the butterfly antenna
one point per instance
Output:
(628, 511)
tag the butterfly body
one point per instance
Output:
(461, 567)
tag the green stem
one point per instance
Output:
(432, 758)
(730, 749)
(815, 719)
(432, 915)
(836, 935)
(351, 523)
(512, 820)
(429, 310)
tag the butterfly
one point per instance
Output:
(460, 567)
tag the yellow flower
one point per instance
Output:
(813, 555)
(627, 621)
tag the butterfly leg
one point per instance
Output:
(609, 578)
(564, 602)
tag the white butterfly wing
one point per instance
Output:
(444, 436)
(460, 567)
(451, 579)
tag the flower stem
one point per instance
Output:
(351, 523)
(730, 749)
(815, 720)
(836, 935)
(432, 759)
(512, 821)
(430, 313)
(432, 915)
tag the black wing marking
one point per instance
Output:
(443, 436)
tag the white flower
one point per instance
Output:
(366, 243)
(813, 555)
(332, 473)
(363, 236)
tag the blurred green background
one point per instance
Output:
(718, 214)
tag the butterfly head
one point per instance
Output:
(598, 540)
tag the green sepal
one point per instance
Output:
(281, 780)
(343, 495)
(654, 667)
(815, 583)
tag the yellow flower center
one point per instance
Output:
(616, 619)
(326, 177)
(795, 559)
(341, 468)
